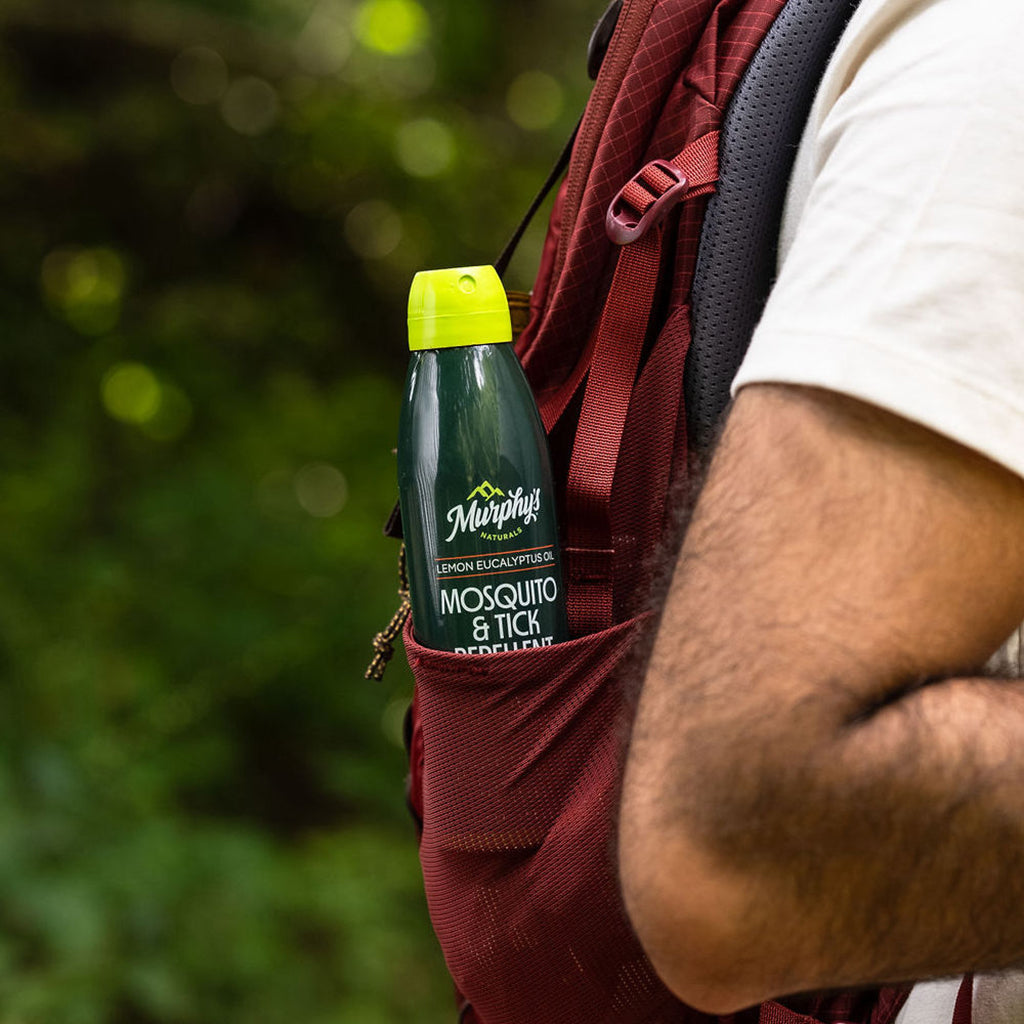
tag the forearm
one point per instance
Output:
(800, 811)
(833, 850)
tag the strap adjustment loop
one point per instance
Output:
(644, 200)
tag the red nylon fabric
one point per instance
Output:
(589, 554)
(836, 1008)
(658, 178)
(775, 1013)
(517, 756)
(637, 196)
(963, 1011)
(663, 104)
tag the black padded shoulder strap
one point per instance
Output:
(739, 241)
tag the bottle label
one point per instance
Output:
(496, 570)
(478, 505)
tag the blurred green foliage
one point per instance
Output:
(211, 212)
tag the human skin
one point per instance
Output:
(823, 788)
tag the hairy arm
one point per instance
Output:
(822, 789)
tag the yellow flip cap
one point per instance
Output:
(458, 306)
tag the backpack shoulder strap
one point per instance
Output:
(738, 247)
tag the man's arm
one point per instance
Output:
(821, 788)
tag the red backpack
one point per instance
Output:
(516, 757)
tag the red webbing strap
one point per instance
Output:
(963, 1011)
(620, 338)
(700, 163)
(619, 341)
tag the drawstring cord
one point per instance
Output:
(384, 641)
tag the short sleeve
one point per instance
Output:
(903, 280)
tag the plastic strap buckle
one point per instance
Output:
(644, 200)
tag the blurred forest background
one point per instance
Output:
(211, 211)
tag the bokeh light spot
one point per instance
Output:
(424, 148)
(73, 275)
(373, 229)
(81, 278)
(534, 100)
(250, 105)
(131, 393)
(321, 489)
(199, 75)
(392, 27)
(86, 286)
(325, 43)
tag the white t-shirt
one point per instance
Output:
(901, 271)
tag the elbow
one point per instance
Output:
(692, 919)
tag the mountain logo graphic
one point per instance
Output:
(486, 490)
(507, 517)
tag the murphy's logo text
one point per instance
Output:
(493, 513)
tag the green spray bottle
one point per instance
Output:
(474, 478)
